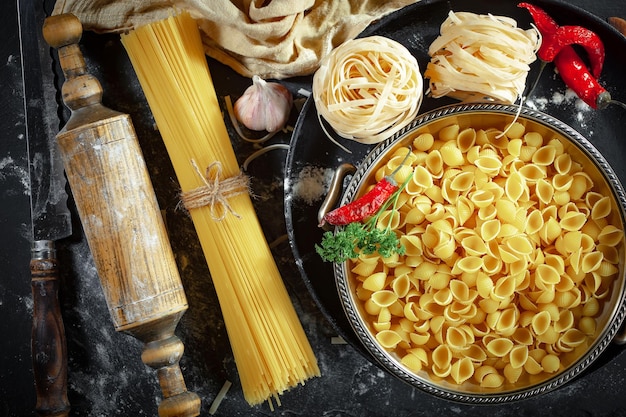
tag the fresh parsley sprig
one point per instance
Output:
(366, 238)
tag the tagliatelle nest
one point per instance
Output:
(481, 56)
(367, 89)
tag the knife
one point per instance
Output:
(50, 214)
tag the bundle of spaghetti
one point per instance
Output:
(270, 346)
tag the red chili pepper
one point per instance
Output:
(574, 73)
(555, 38)
(543, 21)
(364, 206)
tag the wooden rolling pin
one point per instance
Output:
(121, 219)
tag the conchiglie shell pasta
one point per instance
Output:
(610, 235)
(388, 339)
(462, 370)
(451, 155)
(511, 252)
(544, 155)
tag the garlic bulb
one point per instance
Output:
(264, 105)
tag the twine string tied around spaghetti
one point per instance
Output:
(216, 191)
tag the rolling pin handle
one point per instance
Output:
(80, 88)
(163, 356)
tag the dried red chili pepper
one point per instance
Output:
(366, 205)
(574, 73)
(555, 38)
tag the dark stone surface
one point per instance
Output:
(106, 375)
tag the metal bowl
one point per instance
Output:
(609, 320)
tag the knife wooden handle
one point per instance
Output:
(121, 219)
(49, 351)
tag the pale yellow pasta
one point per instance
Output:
(368, 88)
(375, 282)
(610, 235)
(510, 255)
(480, 55)
(423, 142)
(544, 155)
(462, 370)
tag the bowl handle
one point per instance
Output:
(334, 191)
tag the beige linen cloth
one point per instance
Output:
(270, 38)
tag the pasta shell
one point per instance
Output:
(451, 155)
(412, 245)
(505, 287)
(422, 178)
(607, 269)
(488, 164)
(544, 156)
(487, 213)
(520, 244)
(533, 172)
(500, 347)
(601, 209)
(514, 187)
(469, 264)
(442, 356)
(388, 339)
(533, 139)
(541, 322)
(491, 264)
(587, 326)
(412, 362)
(466, 139)
(484, 285)
(534, 222)
(490, 229)
(497, 138)
(565, 321)
(532, 366)
(465, 209)
(384, 298)
(449, 133)
(375, 282)
(463, 181)
(591, 261)
(550, 363)
(527, 152)
(462, 370)
(592, 197)
(514, 147)
(562, 182)
(423, 142)
(518, 356)
(581, 183)
(563, 163)
(511, 374)
(573, 221)
(434, 163)
(474, 245)
(481, 198)
(573, 338)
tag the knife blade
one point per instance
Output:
(51, 218)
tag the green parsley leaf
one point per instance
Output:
(355, 238)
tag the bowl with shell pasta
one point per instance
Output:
(509, 278)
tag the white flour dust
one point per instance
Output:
(10, 170)
(311, 184)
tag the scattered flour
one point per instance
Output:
(311, 184)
